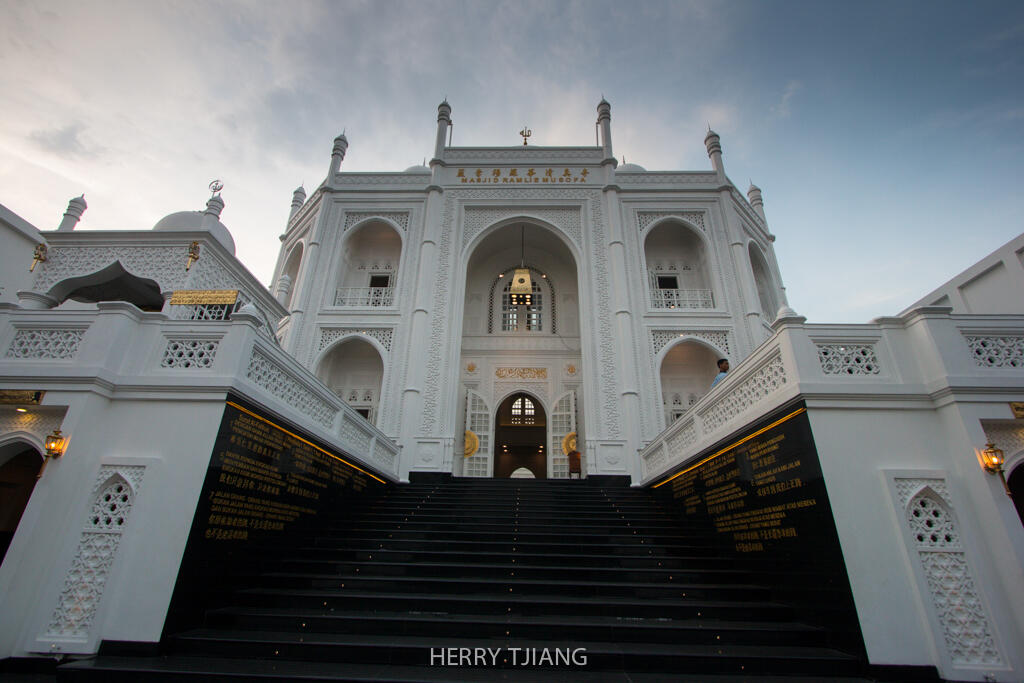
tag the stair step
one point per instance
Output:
(381, 649)
(593, 627)
(223, 670)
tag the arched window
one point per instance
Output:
(521, 313)
(523, 411)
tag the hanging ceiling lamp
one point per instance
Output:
(521, 290)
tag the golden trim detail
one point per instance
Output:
(521, 373)
(191, 297)
(472, 444)
(569, 443)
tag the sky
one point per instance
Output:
(888, 137)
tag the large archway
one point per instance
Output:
(521, 345)
(19, 465)
(520, 432)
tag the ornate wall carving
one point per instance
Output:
(329, 335)
(666, 179)
(966, 627)
(478, 218)
(661, 338)
(990, 351)
(113, 495)
(1006, 434)
(645, 218)
(848, 359)
(686, 436)
(538, 389)
(161, 263)
(399, 218)
(41, 343)
(276, 380)
(190, 353)
(768, 379)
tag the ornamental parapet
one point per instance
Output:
(920, 359)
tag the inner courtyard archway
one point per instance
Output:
(520, 433)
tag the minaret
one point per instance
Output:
(298, 199)
(714, 145)
(444, 120)
(76, 207)
(754, 197)
(337, 155)
(604, 120)
(214, 205)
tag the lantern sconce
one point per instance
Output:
(38, 256)
(55, 445)
(193, 255)
(992, 459)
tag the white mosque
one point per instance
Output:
(495, 314)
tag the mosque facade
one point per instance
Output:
(400, 293)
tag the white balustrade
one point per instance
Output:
(364, 297)
(682, 298)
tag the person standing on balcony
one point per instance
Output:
(723, 369)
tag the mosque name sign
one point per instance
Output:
(515, 176)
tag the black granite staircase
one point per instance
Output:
(576, 580)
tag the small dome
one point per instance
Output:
(194, 220)
(631, 168)
(418, 168)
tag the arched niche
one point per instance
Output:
(19, 464)
(286, 287)
(766, 290)
(491, 262)
(687, 369)
(354, 370)
(112, 283)
(369, 265)
(678, 271)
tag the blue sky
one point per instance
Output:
(888, 137)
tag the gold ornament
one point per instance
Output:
(472, 444)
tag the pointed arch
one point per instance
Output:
(686, 367)
(353, 367)
(764, 280)
(677, 259)
(369, 263)
(112, 283)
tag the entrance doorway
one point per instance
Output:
(19, 464)
(519, 437)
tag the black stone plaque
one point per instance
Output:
(266, 483)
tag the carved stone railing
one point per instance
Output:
(682, 298)
(364, 297)
(211, 356)
(925, 353)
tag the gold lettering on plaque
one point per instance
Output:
(1018, 408)
(521, 373)
(191, 297)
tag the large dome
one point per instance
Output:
(194, 220)
(630, 168)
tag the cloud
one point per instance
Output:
(782, 109)
(64, 142)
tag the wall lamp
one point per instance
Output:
(55, 444)
(992, 460)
